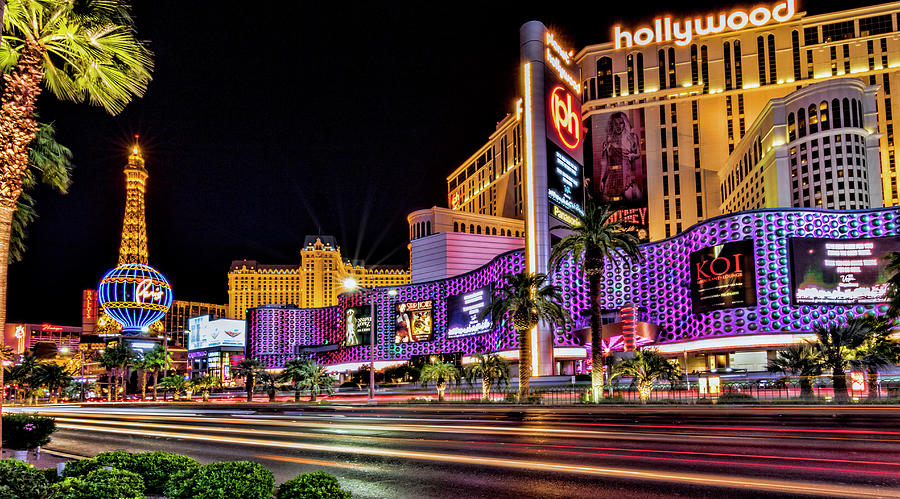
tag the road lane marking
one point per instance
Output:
(693, 478)
(314, 462)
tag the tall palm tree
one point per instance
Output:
(491, 368)
(529, 299)
(267, 382)
(595, 238)
(440, 373)
(878, 350)
(204, 384)
(802, 360)
(22, 374)
(836, 343)
(116, 360)
(80, 52)
(157, 360)
(294, 371)
(644, 368)
(140, 364)
(54, 377)
(249, 369)
(50, 164)
(175, 384)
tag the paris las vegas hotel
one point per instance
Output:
(734, 110)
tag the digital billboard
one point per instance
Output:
(357, 326)
(463, 312)
(840, 271)
(565, 184)
(414, 322)
(205, 333)
(723, 276)
(618, 164)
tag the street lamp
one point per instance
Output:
(351, 284)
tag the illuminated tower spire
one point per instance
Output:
(134, 227)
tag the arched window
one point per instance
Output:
(661, 55)
(428, 228)
(695, 71)
(604, 78)
(801, 122)
(471, 228)
(494, 231)
(792, 127)
(858, 106)
(672, 83)
(455, 226)
(478, 229)
(848, 117)
(617, 85)
(824, 122)
(813, 119)
(836, 112)
(761, 59)
(629, 72)
(517, 233)
(773, 74)
(726, 49)
(640, 72)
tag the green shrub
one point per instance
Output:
(117, 459)
(112, 484)
(735, 398)
(26, 431)
(51, 475)
(157, 467)
(242, 479)
(80, 468)
(315, 485)
(20, 480)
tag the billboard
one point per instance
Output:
(618, 161)
(205, 333)
(414, 322)
(565, 184)
(357, 326)
(463, 311)
(723, 276)
(840, 271)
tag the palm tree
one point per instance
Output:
(50, 164)
(175, 384)
(294, 371)
(893, 267)
(267, 382)
(595, 238)
(490, 368)
(644, 368)
(248, 369)
(528, 299)
(441, 373)
(54, 377)
(116, 360)
(22, 374)
(836, 344)
(879, 349)
(305, 374)
(801, 360)
(157, 360)
(79, 51)
(205, 384)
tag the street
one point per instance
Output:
(447, 451)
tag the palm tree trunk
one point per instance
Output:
(142, 381)
(839, 383)
(249, 387)
(485, 388)
(271, 393)
(296, 395)
(441, 386)
(873, 382)
(806, 389)
(155, 382)
(6, 214)
(597, 381)
(312, 395)
(524, 364)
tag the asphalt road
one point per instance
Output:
(420, 452)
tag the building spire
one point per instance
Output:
(133, 248)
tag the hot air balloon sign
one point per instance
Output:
(135, 295)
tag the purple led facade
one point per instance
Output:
(659, 285)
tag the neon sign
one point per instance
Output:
(558, 59)
(145, 290)
(565, 120)
(51, 328)
(664, 30)
(20, 332)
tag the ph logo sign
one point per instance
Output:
(565, 117)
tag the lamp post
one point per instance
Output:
(350, 284)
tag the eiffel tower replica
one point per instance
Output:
(133, 248)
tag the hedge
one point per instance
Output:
(19, 480)
(315, 485)
(243, 479)
(26, 431)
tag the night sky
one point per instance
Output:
(275, 120)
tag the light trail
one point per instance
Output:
(542, 466)
(314, 462)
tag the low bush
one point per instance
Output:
(80, 468)
(20, 480)
(157, 467)
(117, 459)
(26, 431)
(106, 483)
(242, 479)
(315, 485)
(736, 398)
(51, 475)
